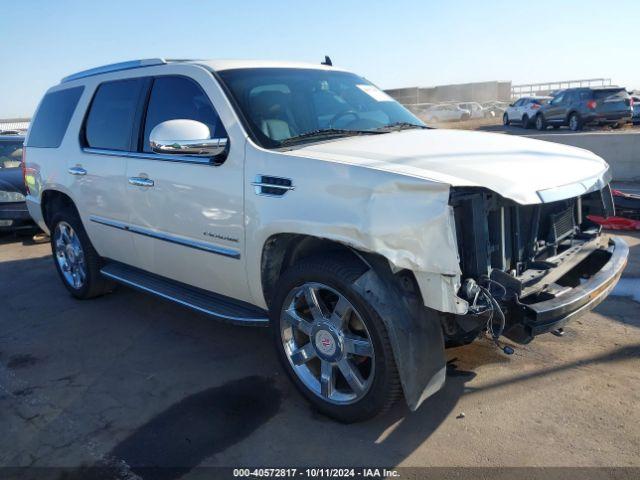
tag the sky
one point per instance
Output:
(392, 43)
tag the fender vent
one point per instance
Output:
(272, 186)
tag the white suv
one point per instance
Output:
(302, 197)
(524, 110)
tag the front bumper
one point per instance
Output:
(527, 321)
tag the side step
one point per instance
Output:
(218, 306)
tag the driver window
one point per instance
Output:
(180, 98)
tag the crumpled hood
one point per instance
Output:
(516, 167)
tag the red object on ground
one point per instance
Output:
(615, 223)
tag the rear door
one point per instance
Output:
(556, 111)
(187, 222)
(99, 171)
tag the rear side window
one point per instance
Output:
(51, 121)
(112, 114)
(180, 98)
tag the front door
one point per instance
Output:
(186, 213)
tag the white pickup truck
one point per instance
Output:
(302, 197)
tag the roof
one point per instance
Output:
(217, 65)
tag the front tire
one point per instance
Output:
(541, 124)
(76, 261)
(505, 120)
(330, 340)
(525, 121)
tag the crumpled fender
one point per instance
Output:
(414, 331)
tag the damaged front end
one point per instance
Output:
(528, 269)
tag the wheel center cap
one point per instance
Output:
(325, 343)
(71, 254)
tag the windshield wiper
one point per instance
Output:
(327, 133)
(400, 126)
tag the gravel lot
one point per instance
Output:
(130, 380)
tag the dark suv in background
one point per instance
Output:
(14, 214)
(577, 107)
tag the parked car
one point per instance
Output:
(476, 110)
(635, 102)
(498, 108)
(14, 214)
(446, 112)
(523, 110)
(302, 197)
(577, 107)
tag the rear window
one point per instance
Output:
(613, 95)
(111, 117)
(540, 101)
(10, 153)
(51, 121)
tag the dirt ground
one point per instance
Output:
(130, 380)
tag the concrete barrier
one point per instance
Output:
(620, 150)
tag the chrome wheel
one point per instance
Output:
(327, 343)
(69, 255)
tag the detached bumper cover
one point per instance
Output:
(534, 319)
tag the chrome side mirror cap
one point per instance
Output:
(185, 137)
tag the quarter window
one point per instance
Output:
(180, 98)
(51, 121)
(111, 119)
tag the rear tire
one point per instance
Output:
(76, 261)
(575, 123)
(505, 120)
(541, 124)
(318, 374)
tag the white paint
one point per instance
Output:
(515, 167)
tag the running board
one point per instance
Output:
(212, 304)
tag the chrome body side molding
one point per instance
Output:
(204, 246)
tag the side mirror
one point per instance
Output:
(185, 137)
(512, 104)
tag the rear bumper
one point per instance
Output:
(14, 211)
(14, 215)
(613, 117)
(527, 321)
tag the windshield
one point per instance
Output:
(285, 104)
(10, 153)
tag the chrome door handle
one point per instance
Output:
(77, 171)
(141, 182)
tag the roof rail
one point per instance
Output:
(115, 67)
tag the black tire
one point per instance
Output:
(541, 123)
(616, 126)
(505, 120)
(525, 121)
(339, 273)
(575, 122)
(95, 284)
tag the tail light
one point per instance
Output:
(24, 169)
(535, 106)
(592, 104)
(631, 101)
